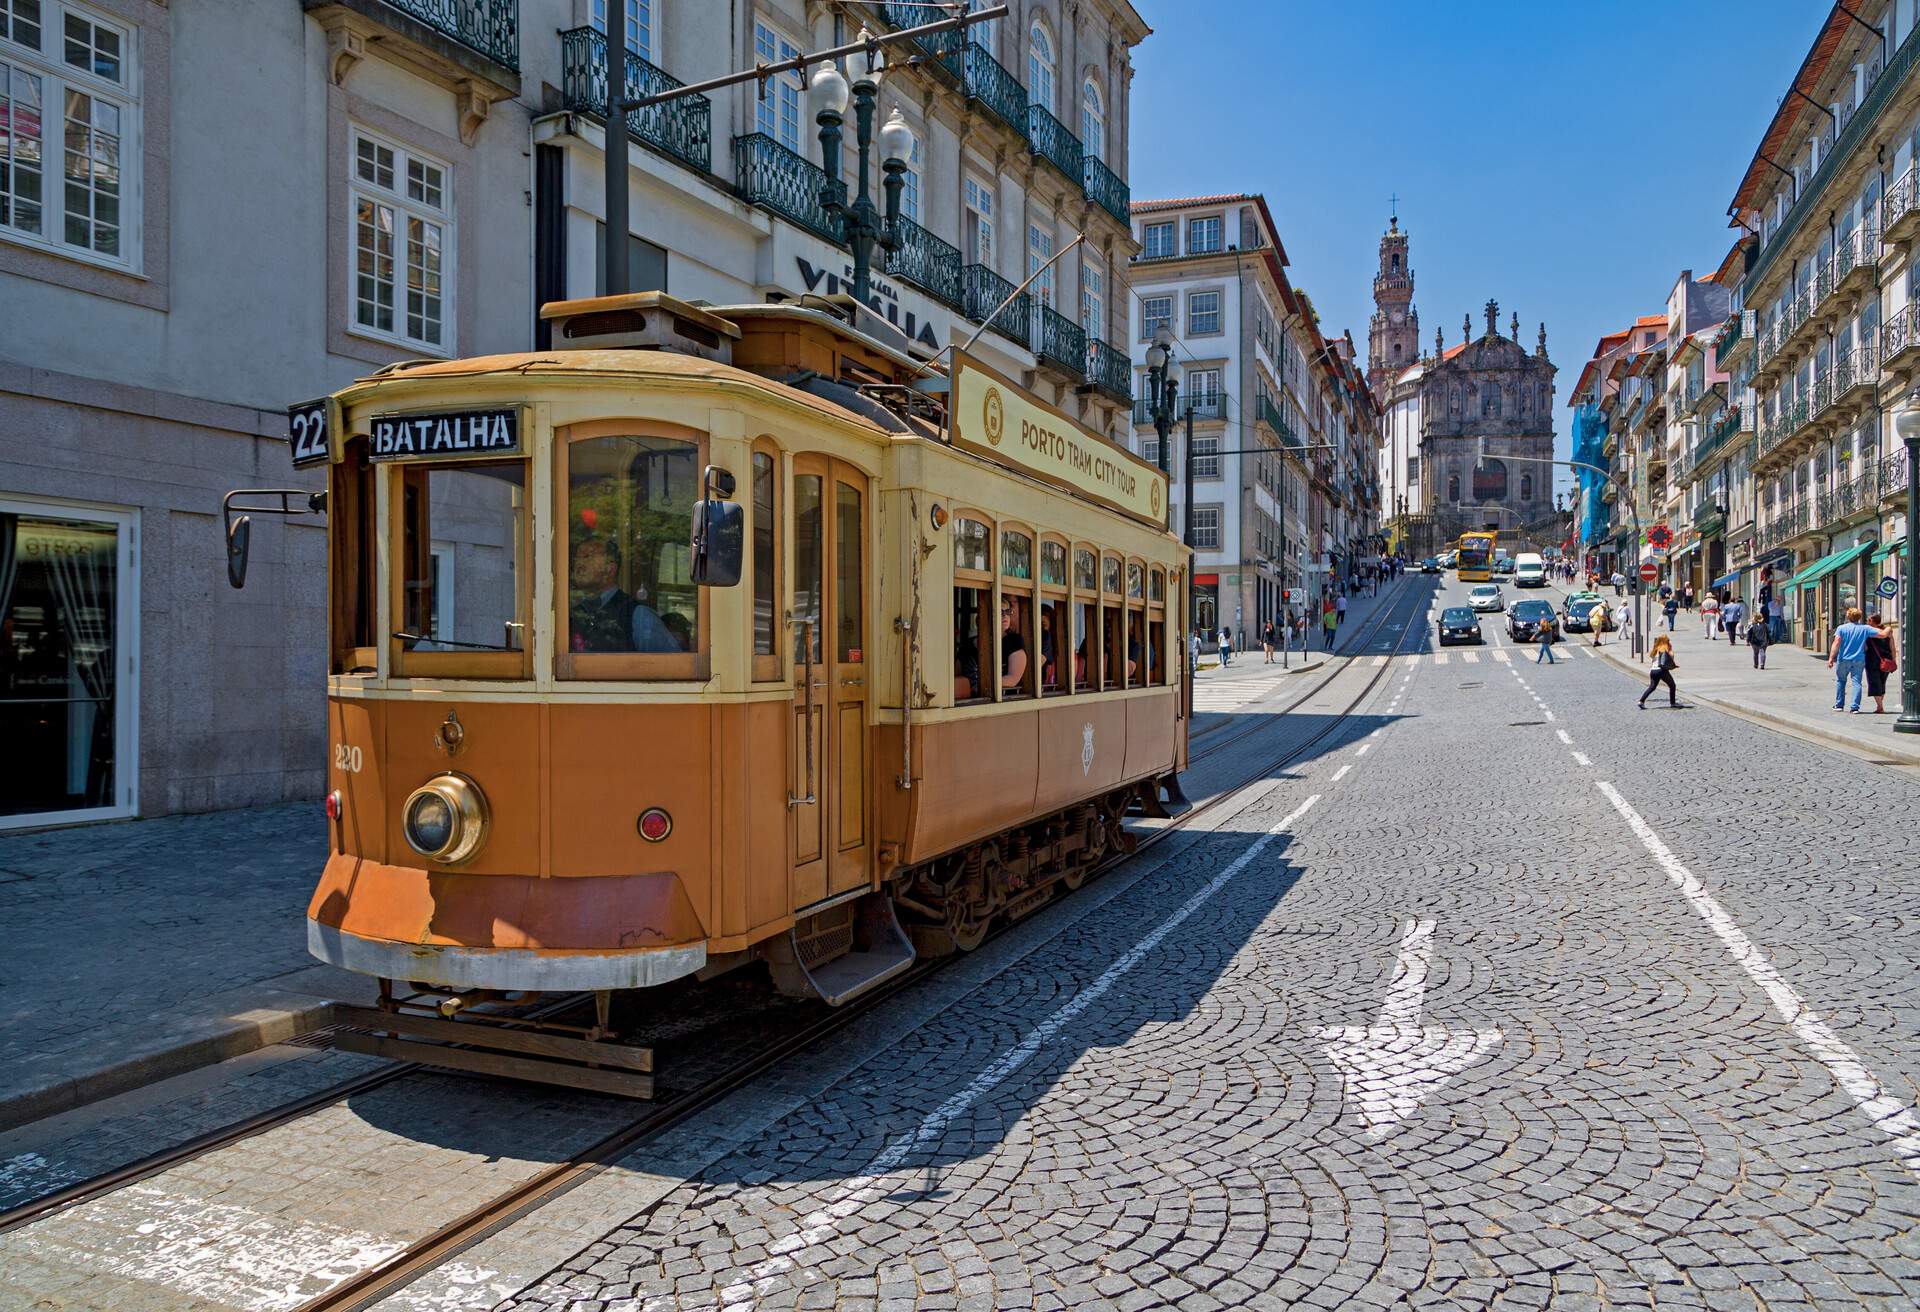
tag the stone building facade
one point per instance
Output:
(1483, 404)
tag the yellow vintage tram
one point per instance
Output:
(715, 636)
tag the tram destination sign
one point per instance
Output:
(992, 416)
(307, 432)
(450, 434)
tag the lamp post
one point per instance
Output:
(1162, 391)
(1906, 423)
(866, 226)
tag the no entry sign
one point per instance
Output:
(1649, 572)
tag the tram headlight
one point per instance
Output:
(445, 819)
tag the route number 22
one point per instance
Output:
(307, 431)
(346, 758)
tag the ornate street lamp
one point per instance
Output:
(1906, 423)
(866, 226)
(1162, 391)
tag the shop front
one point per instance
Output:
(1206, 605)
(67, 639)
(1826, 589)
(1887, 569)
(1768, 575)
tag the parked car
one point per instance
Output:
(1487, 596)
(1582, 611)
(1503, 567)
(1526, 617)
(1459, 624)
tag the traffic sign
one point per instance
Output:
(1659, 537)
(1649, 572)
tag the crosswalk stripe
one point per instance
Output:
(1379, 661)
(1500, 654)
(1439, 658)
(1470, 657)
(1592, 654)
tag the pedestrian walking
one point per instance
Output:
(1671, 609)
(1847, 658)
(1546, 637)
(1619, 582)
(1662, 672)
(1266, 640)
(1193, 650)
(1340, 610)
(1710, 616)
(1759, 637)
(1880, 662)
(1730, 616)
(1226, 647)
(1329, 621)
(1597, 619)
(1687, 598)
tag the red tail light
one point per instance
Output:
(655, 824)
(334, 807)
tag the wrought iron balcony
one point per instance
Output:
(1856, 496)
(1900, 207)
(769, 175)
(927, 262)
(1784, 527)
(1856, 370)
(1822, 394)
(680, 129)
(1105, 189)
(1708, 518)
(486, 27)
(998, 91)
(1736, 336)
(1898, 338)
(945, 47)
(1893, 475)
(982, 292)
(1208, 407)
(1269, 414)
(1059, 341)
(1110, 371)
(1048, 138)
(1853, 263)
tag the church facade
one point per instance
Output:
(1470, 425)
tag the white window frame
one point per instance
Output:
(977, 204)
(1148, 246)
(1093, 300)
(126, 708)
(1039, 251)
(1219, 231)
(642, 15)
(1093, 120)
(47, 63)
(910, 181)
(1042, 66)
(404, 208)
(1202, 528)
(786, 93)
(1219, 313)
(1148, 320)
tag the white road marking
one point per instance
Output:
(1470, 657)
(789, 1251)
(1379, 661)
(1564, 736)
(1888, 1115)
(1549, 714)
(1500, 654)
(1580, 759)
(1439, 658)
(1390, 1066)
(1341, 773)
(1364, 749)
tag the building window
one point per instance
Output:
(1453, 487)
(1203, 313)
(777, 113)
(1526, 487)
(1203, 235)
(1093, 121)
(76, 70)
(1157, 241)
(1206, 528)
(1040, 68)
(979, 223)
(1149, 446)
(910, 183)
(1093, 301)
(402, 208)
(639, 25)
(1039, 251)
(982, 33)
(1490, 401)
(1202, 390)
(1206, 457)
(1156, 312)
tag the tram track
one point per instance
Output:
(455, 1236)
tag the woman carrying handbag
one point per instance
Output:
(1662, 672)
(1880, 662)
(1759, 637)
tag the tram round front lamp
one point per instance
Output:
(445, 819)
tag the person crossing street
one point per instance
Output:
(1662, 672)
(1546, 637)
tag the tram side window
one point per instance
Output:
(464, 557)
(1086, 620)
(1111, 624)
(764, 576)
(1053, 617)
(972, 595)
(350, 512)
(1016, 615)
(629, 578)
(808, 551)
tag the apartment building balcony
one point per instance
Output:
(679, 129)
(1059, 341)
(928, 262)
(1855, 376)
(1266, 412)
(987, 82)
(1709, 518)
(1048, 139)
(1783, 528)
(1777, 437)
(1900, 208)
(1110, 371)
(767, 174)
(1853, 266)
(945, 49)
(1893, 477)
(1208, 407)
(1610, 444)
(1105, 189)
(1767, 359)
(1736, 338)
(461, 42)
(1857, 497)
(1803, 326)
(1900, 339)
(1610, 491)
(983, 292)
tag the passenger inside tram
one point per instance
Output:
(602, 616)
(1013, 647)
(966, 643)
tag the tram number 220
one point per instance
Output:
(346, 758)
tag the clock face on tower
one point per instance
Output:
(1399, 316)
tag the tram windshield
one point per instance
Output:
(629, 578)
(463, 547)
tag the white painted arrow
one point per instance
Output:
(1394, 1064)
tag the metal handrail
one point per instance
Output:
(806, 639)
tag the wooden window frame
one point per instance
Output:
(621, 665)
(1157, 615)
(1063, 593)
(770, 669)
(1119, 603)
(406, 664)
(1005, 585)
(353, 552)
(987, 581)
(1076, 597)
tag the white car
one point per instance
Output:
(1529, 570)
(1487, 596)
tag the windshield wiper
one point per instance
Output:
(449, 642)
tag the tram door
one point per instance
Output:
(830, 832)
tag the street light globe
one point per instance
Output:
(1163, 337)
(1156, 356)
(896, 138)
(828, 90)
(866, 64)
(1906, 419)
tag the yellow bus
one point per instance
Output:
(1475, 559)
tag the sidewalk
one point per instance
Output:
(136, 951)
(1793, 694)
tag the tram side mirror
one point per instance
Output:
(719, 532)
(239, 536)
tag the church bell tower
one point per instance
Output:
(1393, 339)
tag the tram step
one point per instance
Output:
(884, 951)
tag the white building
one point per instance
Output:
(260, 202)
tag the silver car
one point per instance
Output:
(1487, 596)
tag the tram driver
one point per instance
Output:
(604, 617)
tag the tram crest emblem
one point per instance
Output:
(1086, 748)
(993, 415)
(1156, 496)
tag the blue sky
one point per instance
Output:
(1501, 127)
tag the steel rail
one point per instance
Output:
(455, 1237)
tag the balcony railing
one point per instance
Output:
(1853, 497)
(1708, 518)
(1110, 371)
(767, 174)
(1048, 138)
(1822, 393)
(945, 47)
(927, 262)
(1207, 406)
(1784, 527)
(1737, 332)
(1105, 189)
(1058, 340)
(1729, 424)
(1893, 474)
(982, 292)
(998, 91)
(1856, 368)
(1269, 414)
(1900, 207)
(487, 27)
(681, 129)
(1897, 337)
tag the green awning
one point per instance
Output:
(1827, 564)
(1899, 545)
